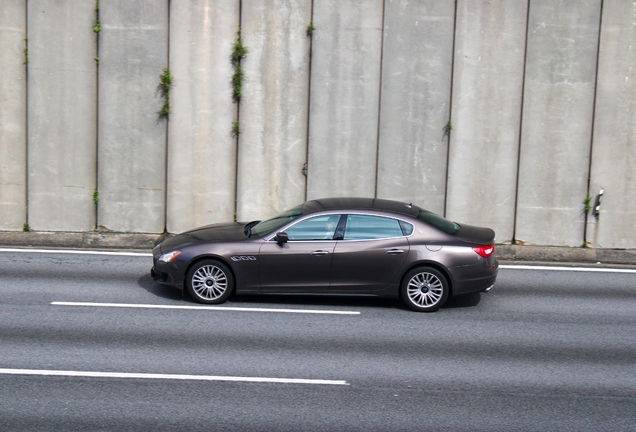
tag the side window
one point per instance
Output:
(315, 228)
(364, 227)
(407, 228)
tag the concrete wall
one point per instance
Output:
(416, 92)
(201, 149)
(558, 110)
(133, 51)
(12, 115)
(273, 113)
(61, 157)
(614, 151)
(487, 89)
(364, 102)
(345, 91)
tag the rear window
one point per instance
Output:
(449, 227)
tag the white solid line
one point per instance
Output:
(577, 269)
(77, 252)
(169, 376)
(213, 308)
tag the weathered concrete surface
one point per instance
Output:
(12, 115)
(557, 118)
(61, 119)
(90, 240)
(273, 115)
(416, 85)
(345, 89)
(487, 89)
(201, 149)
(133, 51)
(614, 148)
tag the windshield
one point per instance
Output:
(273, 224)
(439, 222)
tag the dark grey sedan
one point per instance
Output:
(333, 246)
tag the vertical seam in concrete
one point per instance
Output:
(589, 163)
(311, 44)
(97, 123)
(238, 136)
(165, 179)
(523, 92)
(26, 112)
(450, 109)
(377, 139)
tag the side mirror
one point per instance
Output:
(281, 237)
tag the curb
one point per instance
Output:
(111, 240)
(79, 240)
(565, 254)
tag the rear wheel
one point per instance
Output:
(210, 281)
(424, 289)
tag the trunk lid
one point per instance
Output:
(475, 235)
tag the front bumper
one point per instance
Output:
(167, 273)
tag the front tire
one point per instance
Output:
(424, 289)
(209, 281)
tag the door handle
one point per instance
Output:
(320, 252)
(394, 251)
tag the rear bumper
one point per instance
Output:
(474, 280)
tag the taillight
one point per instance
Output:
(485, 250)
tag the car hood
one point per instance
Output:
(225, 232)
(476, 235)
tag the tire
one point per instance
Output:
(210, 281)
(424, 289)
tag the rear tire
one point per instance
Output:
(424, 289)
(209, 281)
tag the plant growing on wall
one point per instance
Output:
(236, 129)
(165, 84)
(97, 26)
(239, 52)
(26, 49)
(448, 128)
(95, 197)
(310, 29)
(25, 227)
(588, 203)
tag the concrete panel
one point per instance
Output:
(557, 118)
(345, 89)
(614, 151)
(273, 116)
(12, 115)
(486, 117)
(133, 51)
(61, 115)
(201, 149)
(416, 85)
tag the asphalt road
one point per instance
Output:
(544, 350)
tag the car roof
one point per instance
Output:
(349, 203)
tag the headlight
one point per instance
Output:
(169, 257)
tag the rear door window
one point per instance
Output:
(367, 227)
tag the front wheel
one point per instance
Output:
(210, 281)
(424, 289)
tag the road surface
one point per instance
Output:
(90, 342)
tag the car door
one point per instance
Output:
(370, 254)
(303, 263)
